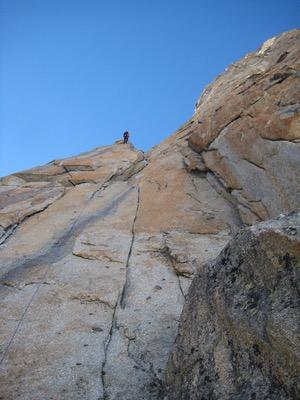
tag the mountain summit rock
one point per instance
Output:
(98, 251)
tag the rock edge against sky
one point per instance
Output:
(98, 252)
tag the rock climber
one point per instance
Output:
(125, 137)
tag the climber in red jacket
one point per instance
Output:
(125, 137)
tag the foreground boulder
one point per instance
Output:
(239, 330)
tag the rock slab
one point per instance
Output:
(246, 127)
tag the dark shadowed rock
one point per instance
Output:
(239, 330)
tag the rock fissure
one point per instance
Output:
(231, 164)
(230, 122)
(19, 324)
(247, 88)
(168, 255)
(9, 285)
(33, 262)
(10, 230)
(94, 257)
(295, 141)
(127, 283)
(254, 164)
(277, 80)
(8, 233)
(217, 184)
(134, 169)
(64, 244)
(194, 198)
(106, 349)
(69, 174)
(89, 299)
(102, 186)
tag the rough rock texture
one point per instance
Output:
(98, 251)
(239, 330)
(247, 129)
(94, 270)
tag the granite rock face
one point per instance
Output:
(94, 270)
(247, 129)
(98, 251)
(239, 330)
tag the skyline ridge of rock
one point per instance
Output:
(98, 251)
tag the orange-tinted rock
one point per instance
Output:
(98, 250)
(107, 261)
(247, 127)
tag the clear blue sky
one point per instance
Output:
(74, 74)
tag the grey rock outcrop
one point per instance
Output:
(239, 331)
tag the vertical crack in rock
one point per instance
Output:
(166, 251)
(229, 194)
(179, 283)
(215, 182)
(106, 349)
(53, 255)
(126, 285)
(213, 356)
(69, 175)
